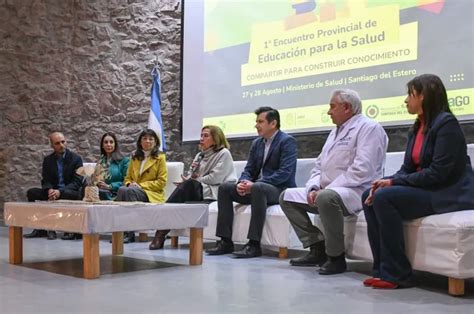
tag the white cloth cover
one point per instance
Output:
(86, 217)
(441, 244)
(277, 231)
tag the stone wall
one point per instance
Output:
(83, 67)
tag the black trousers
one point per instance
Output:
(188, 191)
(38, 194)
(261, 196)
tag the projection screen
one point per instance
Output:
(239, 55)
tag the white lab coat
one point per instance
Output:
(348, 163)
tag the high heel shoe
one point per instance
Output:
(382, 284)
(370, 281)
(159, 240)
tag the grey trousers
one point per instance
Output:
(331, 210)
(131, 194)
(262, 195)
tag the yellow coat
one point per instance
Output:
(153, 178)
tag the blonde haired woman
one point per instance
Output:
(212, 166)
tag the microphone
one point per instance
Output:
(195, 164)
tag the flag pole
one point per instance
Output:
(154, 121)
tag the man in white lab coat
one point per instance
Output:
(350, 160)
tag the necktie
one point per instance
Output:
(60, 162)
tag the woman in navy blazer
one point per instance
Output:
(436, 177)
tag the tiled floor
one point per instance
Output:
(144, 281)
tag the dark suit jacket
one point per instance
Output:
(446, 168)
(279, 168)
(50, 179)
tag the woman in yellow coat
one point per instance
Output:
(146, 176)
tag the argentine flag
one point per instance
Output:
(154, 121)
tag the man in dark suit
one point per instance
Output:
(59, 181)
(271, 168)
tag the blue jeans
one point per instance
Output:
(391, 205)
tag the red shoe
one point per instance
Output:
(382, 284)
(370, 281)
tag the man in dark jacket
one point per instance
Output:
(271, 168)
(59, 181)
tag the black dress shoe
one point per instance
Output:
(248, 251)
(334, 265)
(315, 257)
(128, 237)
(36, 233)
(71, 236)
(52, 235)
(221, 248)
